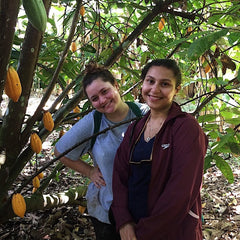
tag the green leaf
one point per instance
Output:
(224, 167)
(207, 118)
(123, 61)
(199, 46)
(144, 58)
(137, 6)
(234, 37)
(214, 18)
(226, 113)
(15, 54)
(234, 121)
(207, 162)
(17, 40)
(235, 147)
(224, 146)
(86, 106)
(212, 134)
(88, 48)
(211, 126)
(105, 54)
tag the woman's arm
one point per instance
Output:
(79, 131)
(93, 173)
(127, 232)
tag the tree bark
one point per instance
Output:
(38, 201)
(8, 18)
(10, 135)
(160, 7)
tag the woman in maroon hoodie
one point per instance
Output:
(158, 167)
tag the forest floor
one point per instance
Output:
(220, 200)
(221, 211)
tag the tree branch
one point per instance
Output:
(47, 94)
(72, 197)
(160, 7)
(212, 95)
(14, 117)
(67, 151)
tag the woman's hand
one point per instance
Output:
(96, 177)
(127, 232)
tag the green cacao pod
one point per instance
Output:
(36, 13)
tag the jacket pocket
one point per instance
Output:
(191, 213)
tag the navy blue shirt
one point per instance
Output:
(139, 179)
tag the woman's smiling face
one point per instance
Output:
(103, 96)
(159, 88)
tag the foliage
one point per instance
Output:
(123, 35)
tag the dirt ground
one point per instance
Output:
(221, 205)
(220, 200)
(221, 213)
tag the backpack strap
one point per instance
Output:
(97, 121)
(135, 108)
(98, 117)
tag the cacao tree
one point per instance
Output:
(202, 36)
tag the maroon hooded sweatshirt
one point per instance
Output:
(174, 202)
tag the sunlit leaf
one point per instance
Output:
(207, 118)
(224, 167)
(199, 46)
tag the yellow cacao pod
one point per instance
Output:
(18, 205)
(13, 86)
(61, 133)
(82, 11)
(36, 143)
(73, 47)
(207, 69)
(48, 121)
(189, 29)
(36, 182)
(34, 190)
(76, 110)
(161, 24)
(81, 209)
(40, 175)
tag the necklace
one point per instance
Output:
(148, 139)
(152, 131)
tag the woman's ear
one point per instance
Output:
(178, 89)
(117, 85)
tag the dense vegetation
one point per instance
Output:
(203, 36)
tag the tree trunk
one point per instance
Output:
(38, 201)
(8, 18)
(10, 136)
